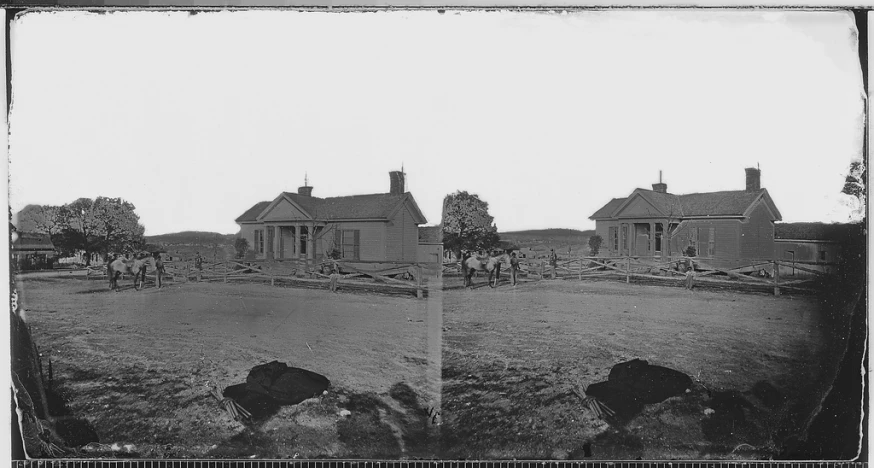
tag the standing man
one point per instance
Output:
(690, 278)
(335, 276)
(553, 261)
(514, 268)
(198, 264)
(159, 269)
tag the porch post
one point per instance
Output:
(295, 239)
(277, 234)
(311, 241)
(652, 236)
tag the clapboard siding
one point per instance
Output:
(402, 237)
(697, 232)
(411, 236)
(394, 238)
(757, 235)
(371, 245)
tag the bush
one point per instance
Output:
(595, 244)
(690, 251)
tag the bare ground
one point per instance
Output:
(137, 365)
(760, 365)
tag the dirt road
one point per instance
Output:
(513, 355)
(137, 363)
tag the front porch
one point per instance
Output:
(292, 241)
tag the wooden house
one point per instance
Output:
(379, 227)
(723, 229)
(32, 250)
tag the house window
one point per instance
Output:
(350, 244)
(822, 255)
(711, 241)
(624, 237)
(614, 239)
(259, 241)
(302, 240)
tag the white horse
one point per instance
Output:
(491, 265)
(136, 267)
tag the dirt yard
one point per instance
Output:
(512, 357)
(137, 365)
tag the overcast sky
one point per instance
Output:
(546, 116)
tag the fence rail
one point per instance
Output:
(391, 276)
(671, 270)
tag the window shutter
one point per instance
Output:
(357, 244)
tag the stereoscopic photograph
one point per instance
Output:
(438, 234)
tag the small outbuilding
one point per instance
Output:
(32, 251)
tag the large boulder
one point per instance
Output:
(288, 385)
(635, 383)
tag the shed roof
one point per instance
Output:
(430, 234)
(32, 241)
(814, 231)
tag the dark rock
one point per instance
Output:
(635, 383)
(288, 385)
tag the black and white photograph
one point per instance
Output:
(438, 234)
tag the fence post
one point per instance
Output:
(419, 294)
(541, 268)
(226, 271)
(628, 270)
(187, 271)
(776, 278)
(581, 269)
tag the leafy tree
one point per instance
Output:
(45, 219)
(102, 225)
(82, 228)
(241, 246)
(119, 226)
(856, 182)
(595, 244)
(467, 224)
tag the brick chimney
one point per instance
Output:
(660, 187)
(397, 182)
(306, 191)
(754, 179)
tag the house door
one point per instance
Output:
(642, 245)
(270, 237)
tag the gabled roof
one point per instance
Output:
(372, 206)
(430, 234)
(814, 231)
(32, 241)
(607, 210)
(252, 213)
(726, 203)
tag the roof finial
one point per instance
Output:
(305, 180)
(660, 176)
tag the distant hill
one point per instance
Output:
(187, 243)
(541, 240)
(191, 237)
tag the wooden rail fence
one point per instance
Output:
(658, 269)
(387, 277)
